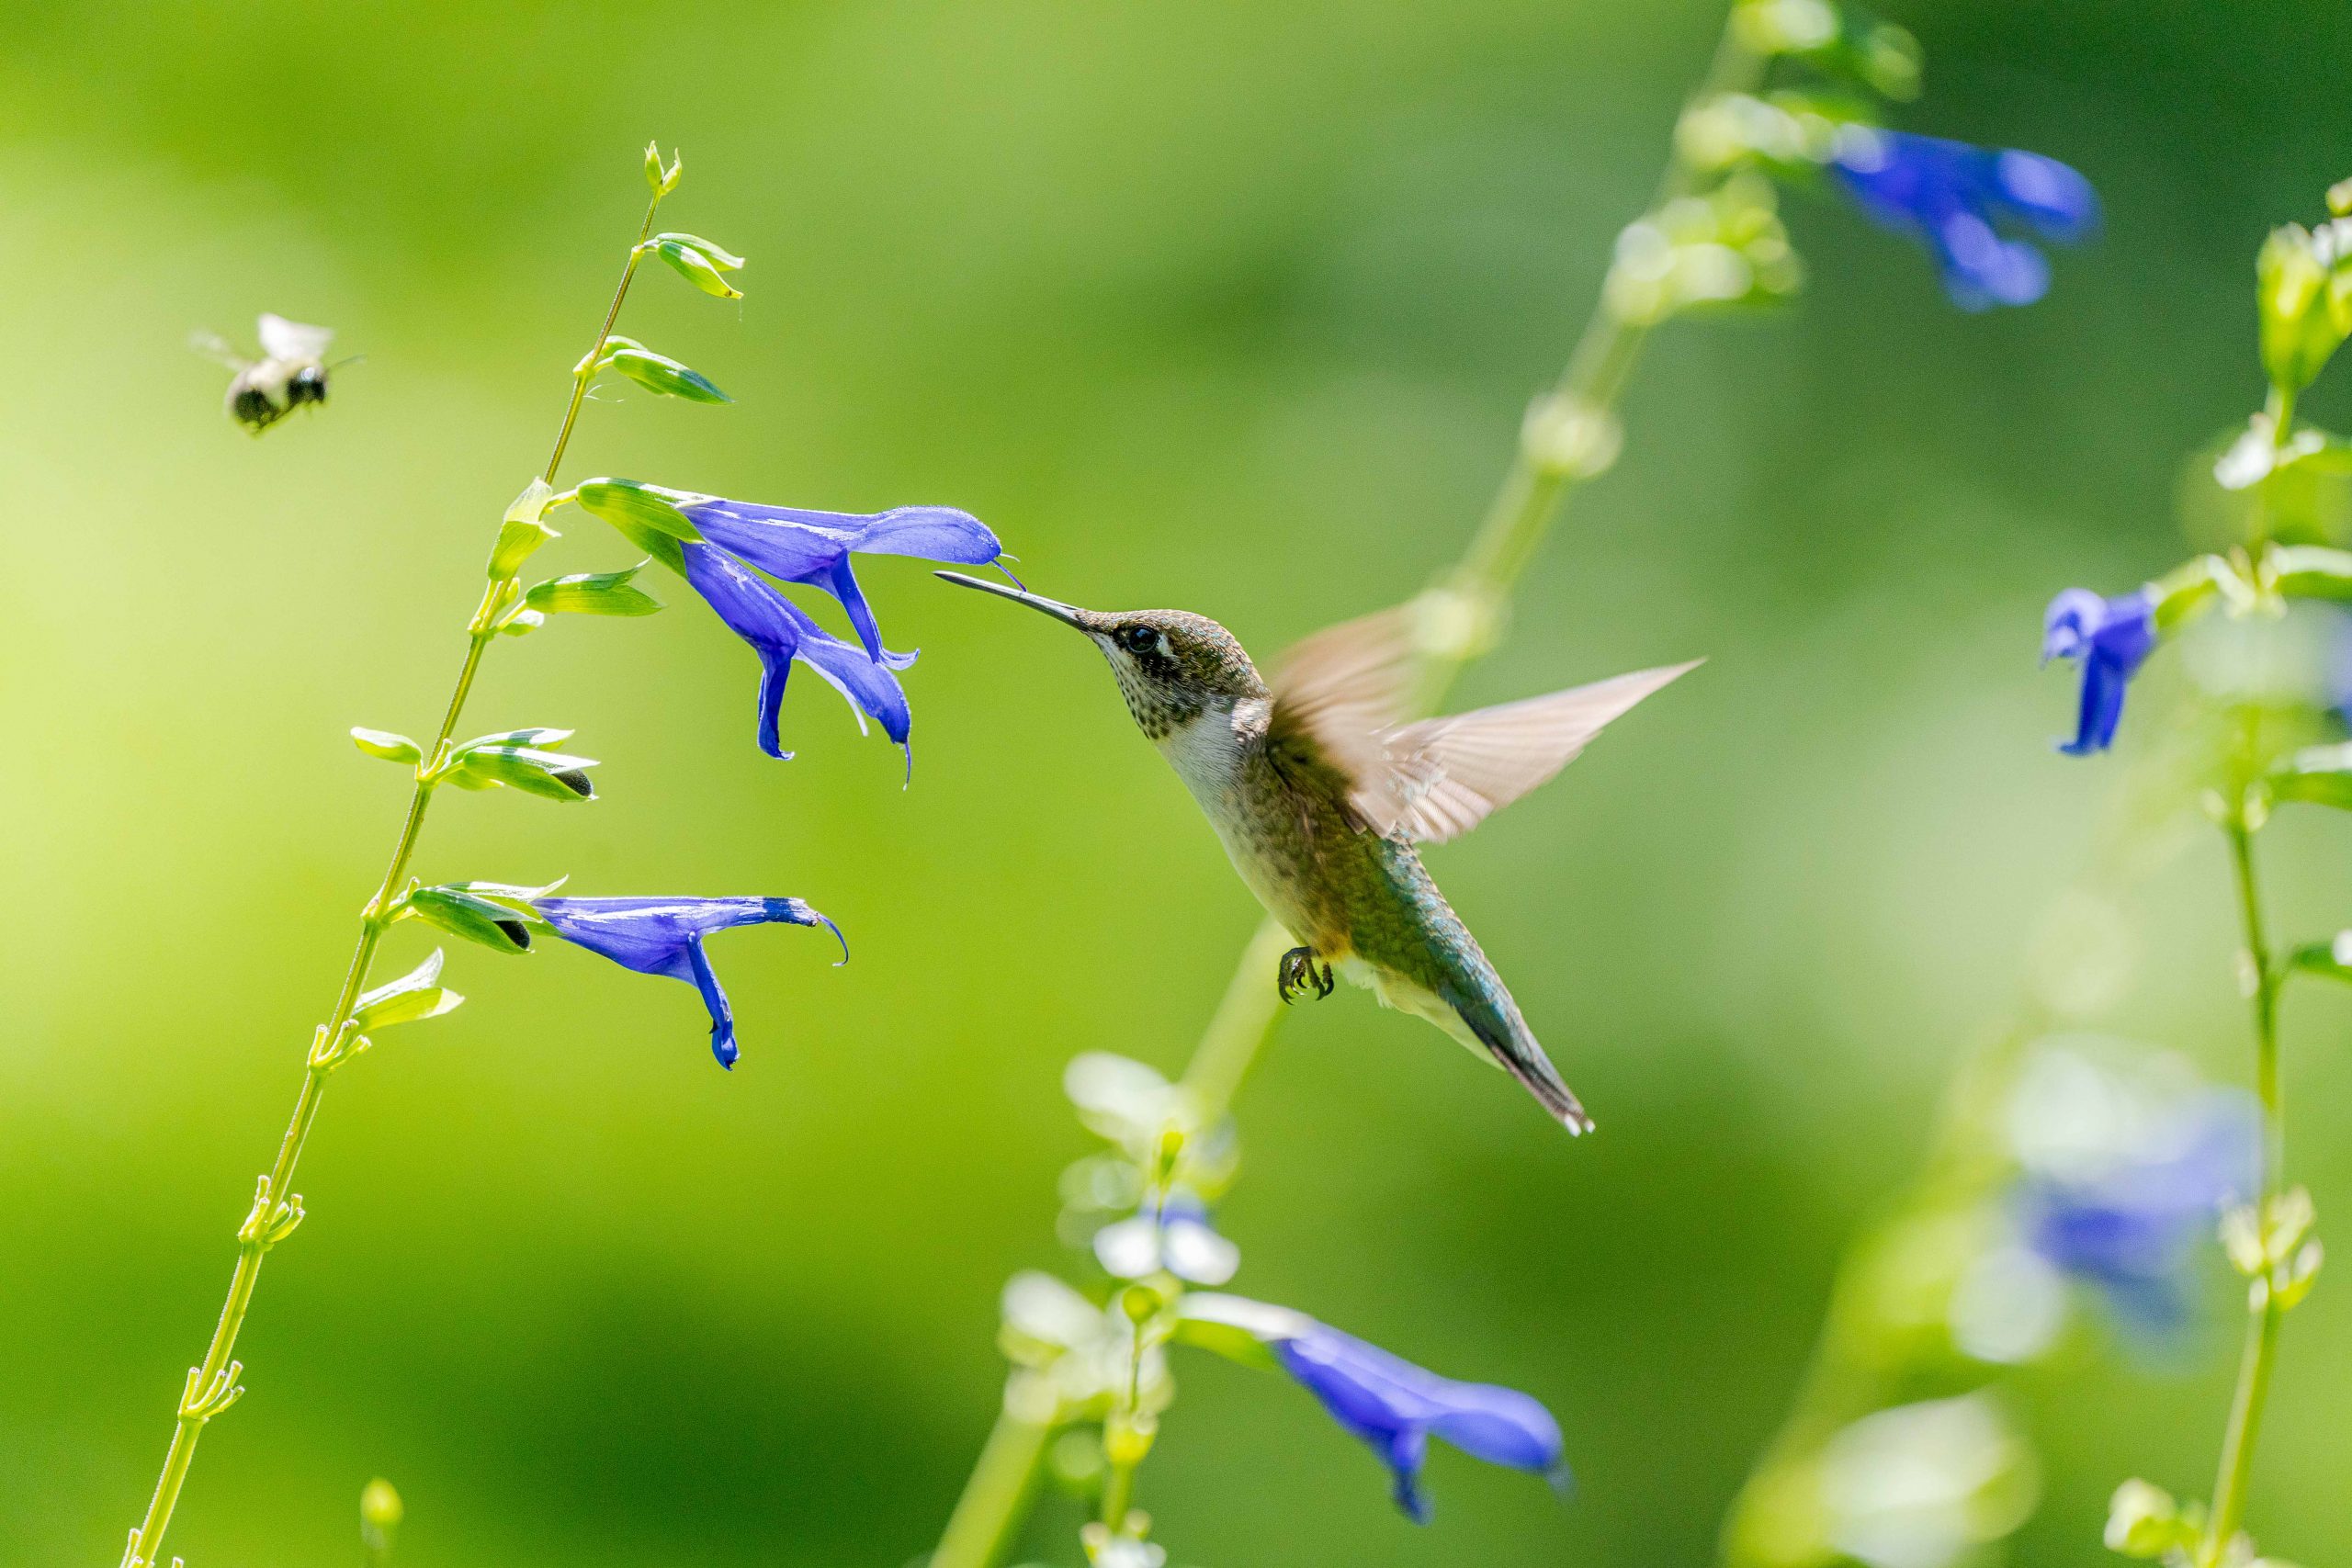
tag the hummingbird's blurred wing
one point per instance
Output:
(1338, 691)
(1442, 777)
(282, 339)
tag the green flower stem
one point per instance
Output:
(997, 1496)
(2262, 1328)
(213, 1386)
(1526, 504)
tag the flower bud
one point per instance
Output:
(659, 374)
(593, 593)
(379, 1516)
(383, 743)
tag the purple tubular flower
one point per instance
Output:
(780, 631)
(1395, 1407)
(2112, 637)
(814, 547)
(664, 936)
(1950, 194)
(2130, 1232)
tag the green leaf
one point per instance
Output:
(383, 743)
(659, 374)
(690, 263)
(551, 775)
(461, 912)
(2310, 571)
(418, 994)
(716, 254)
(2321, 774)
(522, 531)
(644, 516)
(2181, 593)
(2332, 960)
(593, 593)
(2144, 1521)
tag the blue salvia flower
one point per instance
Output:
(2129, 1228)
(664, 936)
(780, 631)
(1951, 195)
(1395, 1407)
(2112, 637)
(814, 547)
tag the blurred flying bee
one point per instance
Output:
(291, 371)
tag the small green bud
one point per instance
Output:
(712, 252)
(2143, 1520)
(457, 909)
(383, 743)
(551, 775)
(2301, 324)
(593, 593)
(2295, 1278)
(659, 374)
(522, 531)
(379, 1516)
(418, 994)
(654, 167)
(696, 265)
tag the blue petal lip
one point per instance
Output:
(665, 936)
(797, 545)
(780, 632)
(1395, 1407)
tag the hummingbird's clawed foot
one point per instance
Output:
(1297, 971)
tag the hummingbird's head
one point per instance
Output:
(1172, 666)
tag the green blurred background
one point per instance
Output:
(1231, 307)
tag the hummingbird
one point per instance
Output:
(1321, 789)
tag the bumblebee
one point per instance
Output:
(291, 371)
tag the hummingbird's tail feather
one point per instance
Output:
(1507, 1038)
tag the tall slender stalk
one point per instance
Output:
(2236, 1467)
(1466, 608)
(213, 1386)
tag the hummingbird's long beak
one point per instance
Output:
(1067, 614)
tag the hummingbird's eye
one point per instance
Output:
(1139, 639)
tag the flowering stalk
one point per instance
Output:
(213, 1386)
(2262, 1329)
(1712, 238)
